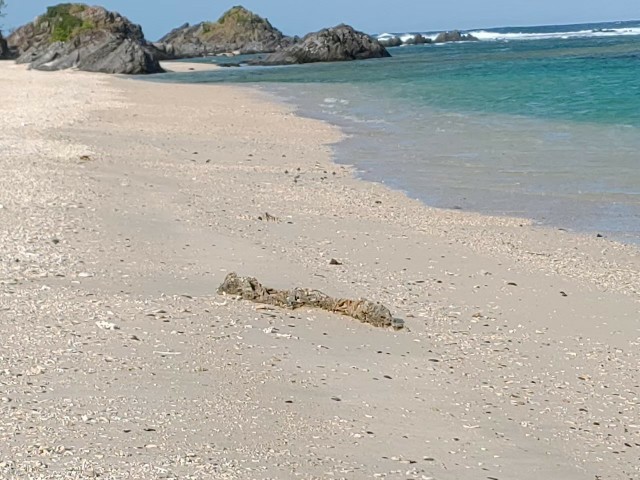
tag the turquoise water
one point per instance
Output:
(542, 122)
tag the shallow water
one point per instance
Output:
(546, 128)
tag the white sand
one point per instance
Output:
(118, 359)
(182, 67)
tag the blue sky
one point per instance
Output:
(297, 17)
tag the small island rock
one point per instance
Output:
(337, 44)
(417, 39)
(92, 39)
(390, 41)
(454, 36)
(238, 30)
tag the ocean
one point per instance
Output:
(536, 122)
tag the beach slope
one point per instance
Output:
(123, 206)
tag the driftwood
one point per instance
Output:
(248, 288)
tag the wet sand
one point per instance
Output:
(124, 204)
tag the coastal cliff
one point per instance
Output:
(88, 38)
(237, 30)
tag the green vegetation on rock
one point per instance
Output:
(64, 22)
(236, 23)
(238, 15)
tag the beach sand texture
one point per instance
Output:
(123, 206)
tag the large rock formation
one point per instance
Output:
(341, 43)
(454, 36)
(237, 30)
(4, 48)
(88, 38)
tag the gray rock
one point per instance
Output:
(88, 38)
(418, 39)
(4, 48)
(390, 41)
(341, 43)
(454, 36)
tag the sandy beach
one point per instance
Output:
(125, 203)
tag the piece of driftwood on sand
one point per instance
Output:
(366, 311)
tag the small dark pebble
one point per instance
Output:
(336, 399)
(288, 401)
(512, 284)
(387, 377)
(55, 241)
(334, 262)
(599, 235)
(563, 294)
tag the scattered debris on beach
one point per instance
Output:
(366, 311)
(268, 218)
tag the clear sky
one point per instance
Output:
(297, 17)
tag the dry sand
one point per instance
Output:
(123, 206)
(185, 67)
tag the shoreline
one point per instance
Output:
(513, 159)
(617, 238)
(359, 174)
(512, 329)
(372, 171)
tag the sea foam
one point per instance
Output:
(488, 35)
(505, 35)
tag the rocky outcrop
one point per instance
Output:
(87, 38)
(390, 41)
(454, 36)
(4, 48)
(337, 44)
(417, 39)
(238, 30)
